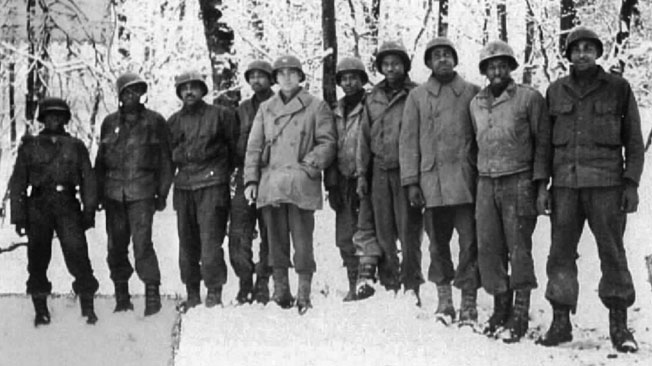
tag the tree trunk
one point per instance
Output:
(257, 25)
(35, 86)
(371, 19)
(442, 19)
(628, 9)
(330, 42)
(566, 22)
(354, 31)
(12, 102)
(219, 40)
(502, 20)
(529, 42)
(485, 26)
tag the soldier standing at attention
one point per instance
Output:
(134, 173)
(51, 168)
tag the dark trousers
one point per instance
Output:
(202, 215)
(439, 224)
(395, 219)
(285, 221)
(506, 217)
(601, 208)
(346, 221)
(58, 213)
(131, 221)
(242, 231)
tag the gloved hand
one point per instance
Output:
(88, 219)
(160, 203)
(251, 193)
(21, 229)
(629, 201)
(415, 196)
(335, 199)
(544, 200)
(363, 187)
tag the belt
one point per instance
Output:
(54, 188)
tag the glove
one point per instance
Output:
(21, 229)
(629, 201)
(544, 201)
(363, 187)
(160, 203)
(415, 196)
(335, 199)
(88, 219)
(251, 193)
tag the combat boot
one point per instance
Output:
(214, 296)
(352, 275)
(366, 278)
(445, 312)
(244, 295)
(88, 308)
(303, 294)
(122, 297)
(560, 330)
(261, 290)
(282, 295)
(42, 316)
(621, 337)
(468, 308)
(192, 297)
(502, 309)
(517, 324)
(152, 299)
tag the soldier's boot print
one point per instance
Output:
(517, 324)
(621, 337)
(366, 278)
(282, 295)
(561, 330)
(445, 312)
(468, 308)
(261, 290)
(152, 299)
(303, 293)
(88, 308)
(214, 296)
(122, 297)
(42, 316)
(192, 298)
(352, 275)
(502, 310)
(244, 295)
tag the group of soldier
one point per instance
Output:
(441, 156)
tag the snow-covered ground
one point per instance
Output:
(383, 330)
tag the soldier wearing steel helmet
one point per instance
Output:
(378, 154)
(507, 118)
(203, 140)
(134, 172)
(595, 161)
(243, 215)
(340, 178)
(437, 155)
(51, 169)
(292, 140)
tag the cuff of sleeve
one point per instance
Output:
(408, 181)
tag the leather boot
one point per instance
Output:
(88, 308)
(303, 294)
(621, 337)
(366, 278)
(445, 312)
(122, 297)
(352, 275)
(244, 295)
(468, 308)
(261, 290)
(502, 309)
(42, 316)
(192, 297)
(152, 299)
(560, 330)
(214, 296)
(518, 322)
(282, 295)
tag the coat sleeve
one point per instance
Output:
(408, 145)
(165, 168)
(324, 150)
(540, 124)
(100, 167)
(232, 132)
(255, 145)
(363, 151)
(18, 188)
(632, 137)
(88, 186)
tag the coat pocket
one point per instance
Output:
(561, 132)
(605, 130)
(526, 198)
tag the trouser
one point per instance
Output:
(284, 221)
(346, 220)
(202, 215)
(506, 217)
(242, 231)
(394, 218)
(599, 206)
(439, 225)
(60, 213)
(131, 221)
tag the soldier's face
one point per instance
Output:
(259, 81)
(583, 54)
(288, 79)
(130, 96)
(191, 93)
(392, 67)
(351, 83)
(53, 121)
(442, 60)
(498, 71)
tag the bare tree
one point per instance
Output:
(37, 49)
(501, 12)
(487, 17)
(567, 19)
(371, 19)
(442, 19)
(529, 45)
(330, 42)
(628, 9)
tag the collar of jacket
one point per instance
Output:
(48, 133)
(570, 83)
(434, 86)
(378, 91)
(276, 108)
(138, 111)
(339, 109)
(487, 99)
(196, 109)
(263, 96)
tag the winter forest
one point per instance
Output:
(76, 49)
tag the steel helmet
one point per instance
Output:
(288, 62)
(189, 76)
(439, 42)
(129, 79)
(351, 64)
(579, 33)
(396, 48)
(259, 65)
(496, 49)
(51, 104)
